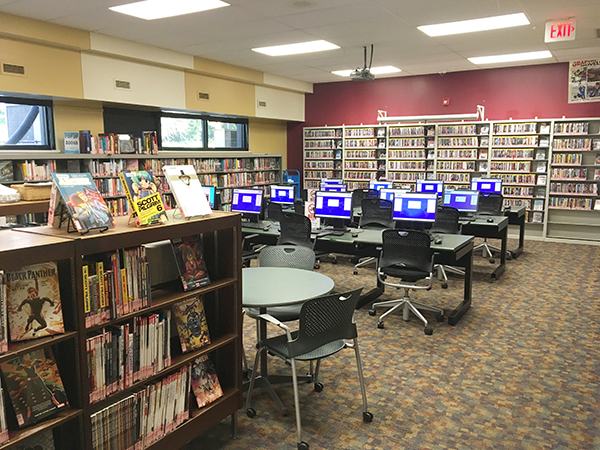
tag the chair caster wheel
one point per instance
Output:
(317, 266)
(355, 272)
(251, 412)
(367, 417)
(372, 312)
(492, 260)
(334, 261)
(302, 446)
(380, 325)
(444, 285)
(428, 330)
(318, 387)
(509, 256)
(439, 317)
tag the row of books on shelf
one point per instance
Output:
(110, 143)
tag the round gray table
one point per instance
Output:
(265, 287)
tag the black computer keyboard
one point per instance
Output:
(256, 225)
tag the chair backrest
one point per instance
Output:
(325, 319)
(407, 249)
(376, 213)
(287, 256)
(273, 211)
(446, 221)
(359, 194)
(490, 204)
(299, 206)
(294, 229)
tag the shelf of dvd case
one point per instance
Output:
(220, 239)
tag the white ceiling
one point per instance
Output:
(228, 34)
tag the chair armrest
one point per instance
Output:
(274, 321)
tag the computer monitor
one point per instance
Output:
(417, 207)
(487, 185)
(336, 207)
(248, 202)
(331, 181)
(430, 186)
(389, 194)
(333, 187)
(282, 194)
(464, 201)
(210, 192)
(380, 184)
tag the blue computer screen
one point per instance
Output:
(430, 186)
(413, 206)
(374, 184)
(464, 201)
(331, 181)
(282, 194)
(487, 185)
(209, 191)
(247, 201)
(335, 205)
(333, 187)
(389, 194)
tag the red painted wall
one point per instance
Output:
(516, 92)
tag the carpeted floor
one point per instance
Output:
(521, 370)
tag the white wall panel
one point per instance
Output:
(279, 104)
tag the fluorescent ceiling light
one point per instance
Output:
(470, 26)
(296, 49)
(158, 9)
(510, 58)
(374, 70)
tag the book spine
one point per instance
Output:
(87, 308)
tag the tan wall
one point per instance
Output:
(75, 116)
(225, 97)
(268, 136)
(48, 70)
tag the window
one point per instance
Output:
(26, 124)
(201, 132)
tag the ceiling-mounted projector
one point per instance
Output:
(364, 74)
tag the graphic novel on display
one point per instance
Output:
(192, 326)
(584, 81)
(33, 302)
(143, 196)
(205, 382)
(190, 262)
(34, 386)
(80, 195)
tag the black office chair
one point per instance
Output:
(407, 255)
(299, 206)
(250, 249)
(295, 229)
(446, 222)
(376, 214)
(357, 197)
(273, 211)
(489, 205)
(325, 324)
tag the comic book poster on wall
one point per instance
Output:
(584, 81)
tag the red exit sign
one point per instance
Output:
(561, 30)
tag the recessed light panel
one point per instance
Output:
(470, 26)
(296, 49)
(510, 58)
(159, 9)
(374, 70)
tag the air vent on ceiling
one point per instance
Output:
(122, 84)
(13, 69)
(261, 104)
(203, 96)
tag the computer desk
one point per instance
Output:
(497, 228)
(455, 250)
(516, 216)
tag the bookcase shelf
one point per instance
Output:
(221, 237)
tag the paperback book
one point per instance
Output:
(190, 262)
(187, 190)
(205, 382)
(79, 196)
(144, 199)
(3, 317)
(192, 327)
(34, 385)
(33, 302)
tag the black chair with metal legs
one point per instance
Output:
(376, 215)
(295, 229)
(446, 222)
(406, 255)
(273, 212)
(490, 205)
(325, 325)
(357, 196)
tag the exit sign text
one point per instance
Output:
(562, 30)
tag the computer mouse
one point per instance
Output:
(437, 240)
(490, 219)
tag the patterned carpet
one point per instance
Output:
(521, 370)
